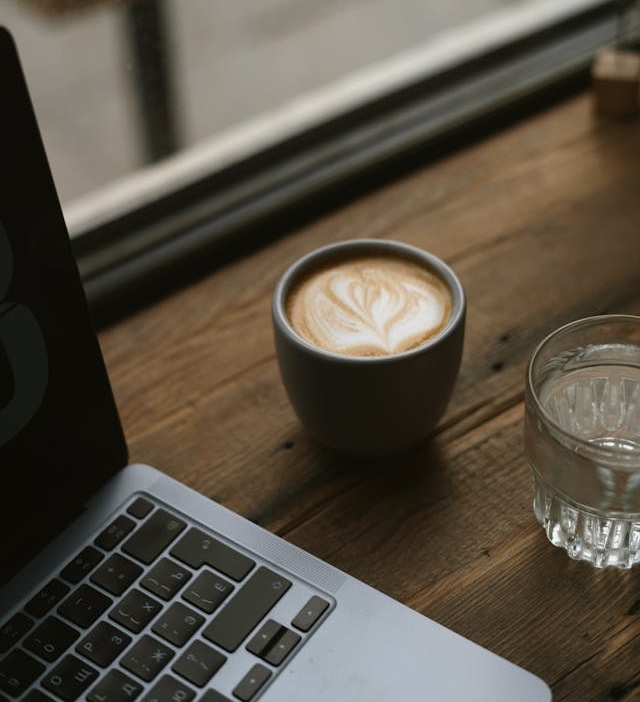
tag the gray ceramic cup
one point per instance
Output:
(369, 406)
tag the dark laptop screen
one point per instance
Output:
(60, 435)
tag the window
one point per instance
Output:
(181, 127)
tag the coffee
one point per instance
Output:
(368, 337)
(369, 304)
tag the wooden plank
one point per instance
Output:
(542, 223)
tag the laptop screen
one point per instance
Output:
(60, 435)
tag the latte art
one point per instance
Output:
(370, 306)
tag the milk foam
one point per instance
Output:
(370, 306)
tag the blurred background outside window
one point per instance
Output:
(139, 99)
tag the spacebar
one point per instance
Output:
(252, 601)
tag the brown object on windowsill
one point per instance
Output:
(616, 83)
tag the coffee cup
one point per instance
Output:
(369, 336)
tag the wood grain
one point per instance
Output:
(542, 223)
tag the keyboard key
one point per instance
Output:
(70, 678)
(178, 649)
(197, 548)
(252, 682)
(17, 671)
(36, 695)
(169, 689)
(282, 647)
(116, 574)
(51, 639)
(178, 624)
(135, 610)
(140, 507)
(84, 606)
(310, 613)
(147, 658)
(103, 644)
(273, 642)
(153, 536)
(82, 564)
(213, 696)
(265, 637)
(199, 663)
(207, 591)
(46, 598)
(115, 687)
(13, 630)
(165, 578)
(110, 537)
(245, 610)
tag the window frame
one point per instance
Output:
(188, 214)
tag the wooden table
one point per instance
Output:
(541, 221)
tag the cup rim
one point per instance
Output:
(582, 446)
(414, 252)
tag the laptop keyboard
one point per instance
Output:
(157, 609)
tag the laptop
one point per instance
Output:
(118, 583)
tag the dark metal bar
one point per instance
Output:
(148, 40)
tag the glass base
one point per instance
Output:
(587, 536)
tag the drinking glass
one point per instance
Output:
(582, 438)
